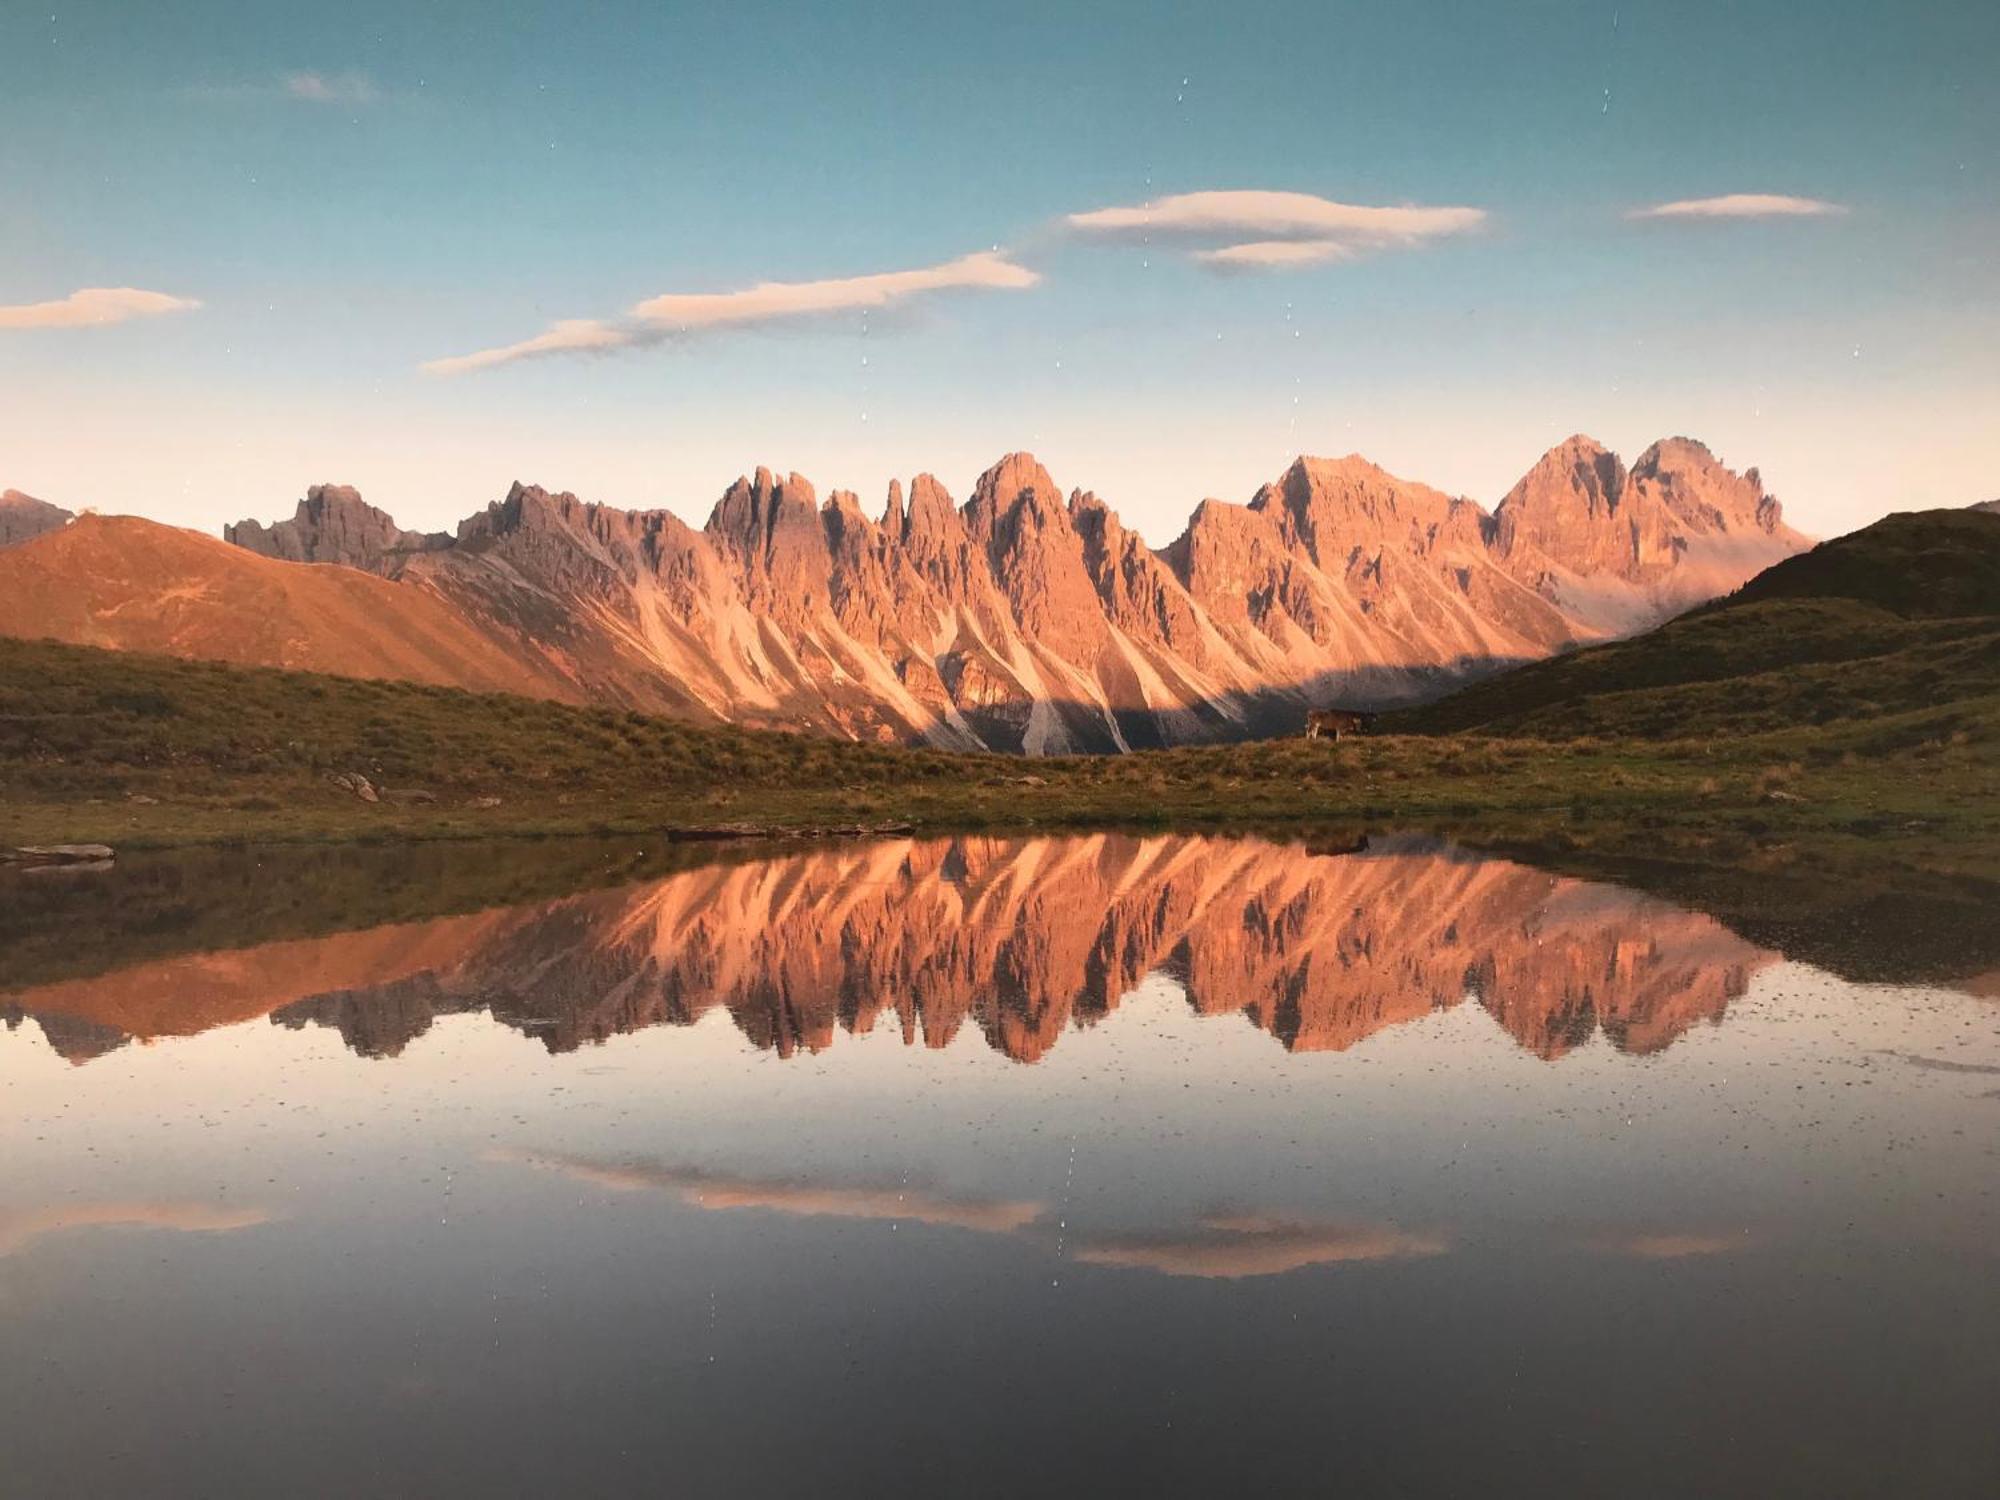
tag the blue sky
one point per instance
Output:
(352, 192)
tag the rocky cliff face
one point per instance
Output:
(1029, 620)
(23, 517)
(1018, 941)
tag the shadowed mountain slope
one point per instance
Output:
(23, 517)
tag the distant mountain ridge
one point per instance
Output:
(333, 524)
(1034, 621)
(23, 517)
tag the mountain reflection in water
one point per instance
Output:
(1021, 939)
(1517, 1181)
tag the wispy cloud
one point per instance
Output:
(330, 88)
(1741, 206)
(93, 307)
(1671, 1244)
(890, 1202)
(1936, 1064)
(21, 1228)
(1224, 1246)
(773, 300)
(685, 314)
(1272, 255)
(1254, 229)
(1233, 1246)
(570, 336)
(351, 90)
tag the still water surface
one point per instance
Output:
(1093, 1164)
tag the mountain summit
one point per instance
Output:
(1029, 619)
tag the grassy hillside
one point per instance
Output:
(1916, 565)
(136, 751)
(1900, 618)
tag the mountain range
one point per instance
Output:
(1023, 619)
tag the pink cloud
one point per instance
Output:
(93, 307)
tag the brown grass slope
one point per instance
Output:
(133, 585)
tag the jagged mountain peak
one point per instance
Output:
(1573, 489)
(1084, 502)
(844, 520)
(1583, 456)
(1676, 452)
(1578, 443)
(1330, 507)
(322, 496)
(1349, 477)
(932, 515)
(753, 513)
(1704, 493)
(1017, 479)
(1316, 467)
(525, 507)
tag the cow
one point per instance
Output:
(1335, 722)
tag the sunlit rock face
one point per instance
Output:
(1026, 619)
(1016, 941)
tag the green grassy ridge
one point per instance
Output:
(233, 755)
(1949, 685)
(78, 719)
(1927, 564)
(1900, 617)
